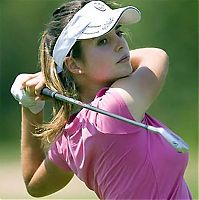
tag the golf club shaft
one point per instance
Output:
(50, 93)
(175, 141)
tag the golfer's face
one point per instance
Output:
(107, 57)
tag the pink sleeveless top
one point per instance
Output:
(118, 160)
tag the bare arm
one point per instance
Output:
(41, 176)
(141, 87)
(32, 155)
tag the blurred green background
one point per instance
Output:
(168, 24)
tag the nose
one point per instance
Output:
(119, 43)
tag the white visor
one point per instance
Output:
(93, 20)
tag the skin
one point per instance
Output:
(99, 68)
(38, 171)
(138, 79)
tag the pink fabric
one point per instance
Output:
(118, 160)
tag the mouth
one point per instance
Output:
(124, 59)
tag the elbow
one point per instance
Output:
(165, 61)
(163, 56)
(164, 65)
(151, 57)
(159, 63)
(32, 189)
(35, 193)
(162, 60)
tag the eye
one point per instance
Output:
(120, 33)
(102, 42)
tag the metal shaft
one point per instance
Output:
(173, 139)
(50, 93)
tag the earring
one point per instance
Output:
(80, 71)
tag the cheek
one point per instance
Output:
(98, 67)
(101, 55)
(99, 60)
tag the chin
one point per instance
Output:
(127, 71)
(124, 75)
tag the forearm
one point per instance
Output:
(32, 154)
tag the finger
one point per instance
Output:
(30, 90)
(31, 75)
(21, 80)
(32, 82)
(37, 98)
(39, 87)
(38, 77)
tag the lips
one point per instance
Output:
(124, 59)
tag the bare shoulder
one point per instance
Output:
(141, 87)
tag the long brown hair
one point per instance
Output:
(62, 83)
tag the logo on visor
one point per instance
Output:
(108, 23)
(99, 6)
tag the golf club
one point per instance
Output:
(176, 142)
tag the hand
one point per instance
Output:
(26, 90)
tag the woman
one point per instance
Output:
(84, 55)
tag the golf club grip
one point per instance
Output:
(47, 92)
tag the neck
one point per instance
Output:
(88, 93)
(89, 88)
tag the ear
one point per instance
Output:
(73, 66)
